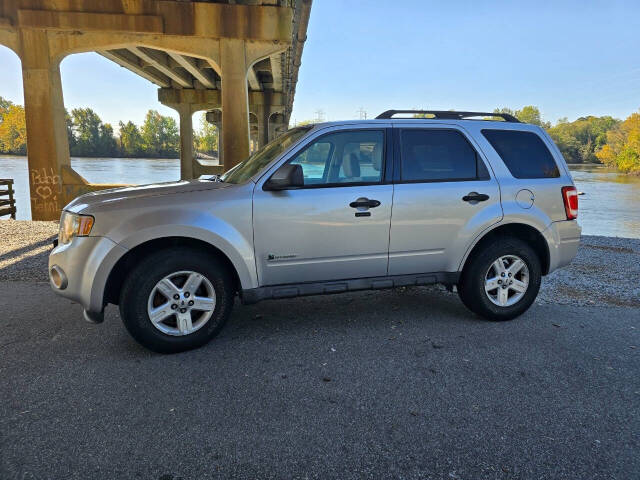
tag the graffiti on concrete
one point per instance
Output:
(46, 186)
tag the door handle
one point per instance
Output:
(365, 203)
(475, 197)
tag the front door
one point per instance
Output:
(444, 197)
(337, 225)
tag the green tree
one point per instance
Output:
(130, 139)
(4, 106)
(92, 137)
(528, 114)
(206, 139)
(108, 147)
(71, 137)
(160, 135)
(579, 140)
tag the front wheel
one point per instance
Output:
(176, 299)
(502, 280)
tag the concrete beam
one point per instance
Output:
(197, 99)
(214, 116)
(254, 84)
(156, 60)
(51, 20)
(201, 169)
(176, 18)
(135, 67)
(262, 98)
(222, 20)
(276, 71)
(191, 66)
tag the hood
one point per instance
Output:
(140, 191)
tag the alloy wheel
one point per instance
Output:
(506, 280)
(181, 303)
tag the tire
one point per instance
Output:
(482, 270)
(183, 324)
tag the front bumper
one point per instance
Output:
(86, 263)
(563, 238)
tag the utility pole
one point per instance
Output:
(362, 114)
(319, 115)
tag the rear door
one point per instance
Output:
(444, 196)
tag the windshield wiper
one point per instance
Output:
(215, 178)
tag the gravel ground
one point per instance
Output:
(24, 249)
(605, 272)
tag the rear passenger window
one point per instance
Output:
(438, 155)
(524, 153)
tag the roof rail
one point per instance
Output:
(449, 114)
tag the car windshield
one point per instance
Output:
(261, 158)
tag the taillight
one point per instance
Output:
(570, 198)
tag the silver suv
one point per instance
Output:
(486, 206)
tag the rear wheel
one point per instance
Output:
(502, 280)
(176, 300)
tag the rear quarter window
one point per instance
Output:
(524, 153)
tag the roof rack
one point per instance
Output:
(449, 114)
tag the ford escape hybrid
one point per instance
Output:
(486, 206)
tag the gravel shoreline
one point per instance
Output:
(605, 272)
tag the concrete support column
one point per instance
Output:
(264, 112)
(47, 142)
(214, 117)
(276, 124)
(235, 102)
(186, 141)
(262, 115)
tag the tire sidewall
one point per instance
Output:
(474, 295)
(138, 286)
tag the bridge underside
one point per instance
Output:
(236, 60)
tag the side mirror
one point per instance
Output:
(286, 176)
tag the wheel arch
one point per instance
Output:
(124, 264)
(525, 232)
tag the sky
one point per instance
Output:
(570, 58)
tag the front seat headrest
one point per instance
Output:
(376, 157)
(351, 166)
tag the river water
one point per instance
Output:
(610, 205)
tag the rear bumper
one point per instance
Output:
(563, 238)
(86, 263)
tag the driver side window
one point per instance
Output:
(348, 157)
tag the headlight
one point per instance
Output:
(74, 225)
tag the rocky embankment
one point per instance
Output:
(605, 272)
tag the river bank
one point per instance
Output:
(605, 271)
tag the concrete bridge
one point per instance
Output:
(236, 60)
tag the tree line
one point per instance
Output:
(89, 136)
(591, 139)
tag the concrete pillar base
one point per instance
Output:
(187, 154)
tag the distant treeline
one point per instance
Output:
(607, 140)
(88, 136)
